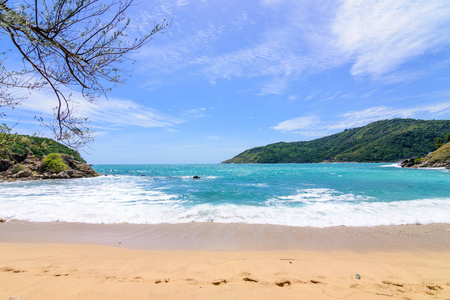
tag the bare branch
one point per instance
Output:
(73, 43)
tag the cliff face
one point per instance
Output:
(30, 167)
(437, 159)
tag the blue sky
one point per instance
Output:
(231, 75)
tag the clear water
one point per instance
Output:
(317, 195)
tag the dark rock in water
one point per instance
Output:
(2, 220)
(196, 177)
(142, 174)
(437, 159)
(408, 163)
(29, 167)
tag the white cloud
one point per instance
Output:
(380, 35)
(375, 37)
(194, 113)
(276, 87)
(297, 124)
(366, 116)
(114, 111)
(360, 118)
(182, 2)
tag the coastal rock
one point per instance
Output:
(5, 165)
(407, 163)
(30, 167)
(437, 159)
(28, 153)
(24, 173)
(18, 157)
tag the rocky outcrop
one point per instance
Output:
(437, 159)
(30, 167)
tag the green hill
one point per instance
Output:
(382, 141)
(42, 146)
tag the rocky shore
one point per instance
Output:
(437, 159)
(30, 167)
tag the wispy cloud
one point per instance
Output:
(379, 36)
(114, 111)
(359, 118)
(363, 117)
(297, 123)
(375, 37)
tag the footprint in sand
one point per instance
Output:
(219, 282)
(283, 283)
(249, 279)
(434, 287)
(12, 270)
(392, 283)
(165, 280)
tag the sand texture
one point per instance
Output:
(409, 262)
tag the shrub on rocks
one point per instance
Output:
(54, 163)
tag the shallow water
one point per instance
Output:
(317, 195)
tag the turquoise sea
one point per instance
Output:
(317, 195)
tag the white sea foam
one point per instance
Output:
(117, 199)
(397, 165)
(327, 214)
(152, 200)
(317, 195)
(258, 185)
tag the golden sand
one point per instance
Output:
(30, 270)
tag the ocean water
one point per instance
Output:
(317, 195)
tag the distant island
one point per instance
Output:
(382, 141)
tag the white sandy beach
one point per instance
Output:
(223, 261)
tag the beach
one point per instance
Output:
(59, 260)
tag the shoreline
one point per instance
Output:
(213, 236)
(223, 261)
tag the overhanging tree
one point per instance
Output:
(67, 43)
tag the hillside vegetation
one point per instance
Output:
(382, 141)
(42, 146)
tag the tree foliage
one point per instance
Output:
(7, 141)
(438, 142)
(54, 162)
(78, 44)
(39, 146)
